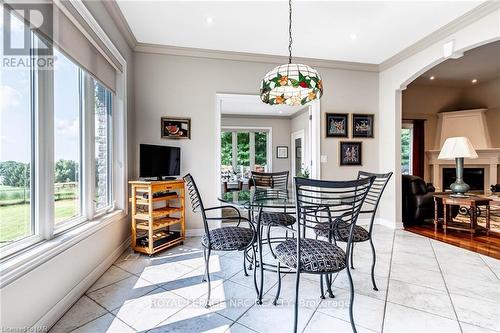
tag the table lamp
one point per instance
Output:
(458, 148)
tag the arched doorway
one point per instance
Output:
(393, 80)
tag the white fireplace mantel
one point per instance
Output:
(489, 159)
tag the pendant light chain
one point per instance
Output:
(290, 40)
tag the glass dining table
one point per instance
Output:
(255, 201)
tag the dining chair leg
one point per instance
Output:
(329, 282)
(261, 269)
(204, 277)
(296, 305)
(321, 286)
(352, 255)
(245, 262)
(373, 264)
(254, 253)
(351, 300)
(207, 269)
(278, 270)
(268, 235)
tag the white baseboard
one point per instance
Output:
(54, 314)
(388, 223)
(195, 232)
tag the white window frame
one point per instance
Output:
(26, 252)
(410, 159)
(252, 130)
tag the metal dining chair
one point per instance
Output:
(234, 238)
(273, 181)
(360, 234)
(338, 203)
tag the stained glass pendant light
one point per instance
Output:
(291, 84)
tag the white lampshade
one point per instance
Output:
(455, 147)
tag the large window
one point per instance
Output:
(406, 149)
(244, 150)
(67, 139)
(55, 148)
(16, 149)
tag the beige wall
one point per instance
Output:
(281, 134)
(187, 86)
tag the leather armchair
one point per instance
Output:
(418, 202)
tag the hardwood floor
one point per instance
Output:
(480, 243)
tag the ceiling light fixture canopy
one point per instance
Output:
(291, 84)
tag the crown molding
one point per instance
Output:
(250, 57)
(117, 16)
(443, 32)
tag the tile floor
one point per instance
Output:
(424, 286)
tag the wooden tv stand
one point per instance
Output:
(156, 207)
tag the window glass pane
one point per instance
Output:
(67, 139)
(261, 151)
(102, 127)
(406, 151)
(243, 156)
(16, 220)
(226, 154)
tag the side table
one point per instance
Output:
(471, 201)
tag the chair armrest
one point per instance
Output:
(223, 207)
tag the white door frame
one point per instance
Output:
(314, 130)
(305, 149)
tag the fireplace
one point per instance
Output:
(472, 176)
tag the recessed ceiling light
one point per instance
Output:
(353, 36)
(432, 78)
(210, 20)
(474, 80)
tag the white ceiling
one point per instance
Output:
(481, 63)
(252, 105)
(355, 31)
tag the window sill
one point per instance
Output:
(17, 265)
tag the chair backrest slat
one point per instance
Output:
(276, 180)
(195, 197)
(375, 193)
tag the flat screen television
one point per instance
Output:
(159, 161)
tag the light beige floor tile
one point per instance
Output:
(477, 311)
(321, 323)
(400, 319)
(107, 323)
(83, 311)
(368, 311)
(146, 312)
(421, 298)
(113, 296)
(112, 275)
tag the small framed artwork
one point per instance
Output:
(337, 125)
(281, 152)
(350, 153)
(175, 128)
(362, 125)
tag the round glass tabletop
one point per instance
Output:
(267, 198)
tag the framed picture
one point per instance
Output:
(175, 128)
(362, 125)
(337, 125)
(281, 152)
(350, 153)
